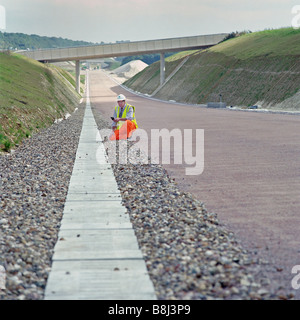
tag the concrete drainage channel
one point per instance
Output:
(97, 254)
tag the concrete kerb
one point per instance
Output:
(148, 96)
(97, 254)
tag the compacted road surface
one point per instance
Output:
(251, 175)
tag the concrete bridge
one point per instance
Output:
(125, 49)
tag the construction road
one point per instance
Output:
(251, 176)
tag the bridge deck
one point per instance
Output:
(125, 48)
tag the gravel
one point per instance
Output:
(188, 253)
(34, 181)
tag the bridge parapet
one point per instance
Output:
(125, 48)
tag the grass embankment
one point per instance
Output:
(255, 68)
(32, 96)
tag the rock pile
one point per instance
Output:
(129, 70)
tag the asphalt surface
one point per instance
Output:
(251, 176)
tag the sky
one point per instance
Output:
(134, 20)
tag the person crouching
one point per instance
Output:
(124, 121)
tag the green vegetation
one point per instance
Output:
(149, 79)
(280, 42)
(252, 68)
(32, 96)
(70, 76)
(248, 69)
(21, 41)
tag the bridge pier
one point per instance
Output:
(162, 68)
(78, 76)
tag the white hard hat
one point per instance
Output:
(121, 97)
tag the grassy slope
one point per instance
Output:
(32, 96)
(149, 79)
(257, 67)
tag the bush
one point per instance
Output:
(235, 35)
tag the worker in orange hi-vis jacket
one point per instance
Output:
(124, 122)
